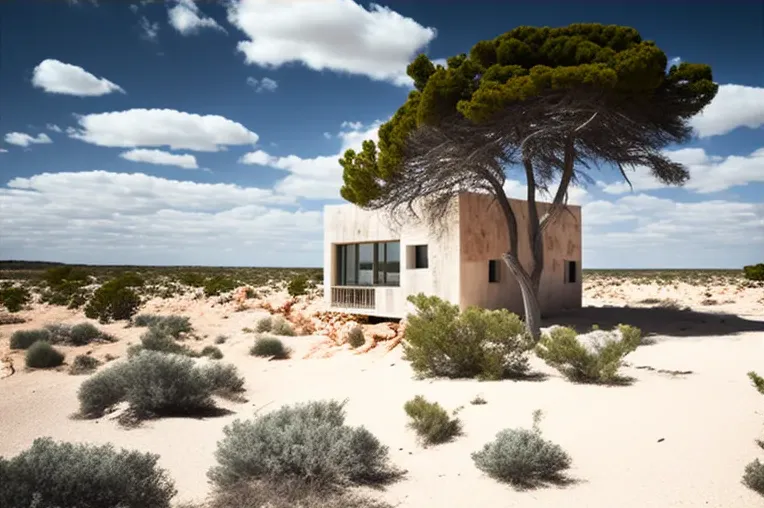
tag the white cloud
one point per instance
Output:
(53, 127)
(3, 150)
(734, 106)
(102, 217)
(24, 139)
(160, 157)
(149, 30)
(675, 61)
(262, 85)
(162, 127)
(328, 135)
(707, 173)
(337, 35)
(186, 18)
(317, 177)
(58, 77)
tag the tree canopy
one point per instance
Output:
(525, 92)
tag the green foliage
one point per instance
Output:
(280, 326)
(61, 275)
(430, 421)
(155, 339)
(41, 355)
(309, 442)
(478, 401)
(22, 339)
(442, 341)
(264, 325)
(758, 381)
(115, 299)
(218, 284)
(223, 379)
(753, 477)
(597, 363)
(83, 364)
(220, 339)
(213, 352)
(754, 272)
(298, 285)
(85, 333)
(269, 347)
(66, 475)
(14, 298)
(103, 390)
(172, 325)
(522, 457)
(356, 338)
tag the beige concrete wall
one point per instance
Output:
(484, 236)
(350, 224)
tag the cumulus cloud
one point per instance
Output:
(24, 139)
(734, 106)
(336, 35)
(149, 30)
(161, 158)
(53, 127)
(187, 19)
(98, 217)
(54, 76)
(317, 177)
(162, 127)
(708, 173)
(263, 85)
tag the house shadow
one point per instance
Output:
(656, 321)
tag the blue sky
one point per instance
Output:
(208, 133)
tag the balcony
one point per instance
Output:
(348, 297)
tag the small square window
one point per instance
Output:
(571, 272)
(493, 270)
(420, 256)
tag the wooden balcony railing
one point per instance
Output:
(353, 297)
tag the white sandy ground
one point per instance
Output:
(707, 420)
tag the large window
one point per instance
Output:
(369, 264)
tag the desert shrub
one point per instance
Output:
(269, 347)
(753, 477)
(14, 298)
(220, 339)
(103, 390)
(305, 441)
(22, 339)
(173, 325)
(356, 338)
(754, 272)
(85, 333)
(442, 341)
(11, 319)
(758, 381)
(113, 300)
(264, 324)
(218, 284)
(146, 320)
(155, 339)
(83, 364)
(250, 292)
(298, 285)
(41, 355)
(596, 361)
(70, 293)
(60, 275)
(213, 352)
(478, 401)
(431, 422)
(281, 326)
(192, 279)
(522, 457)
(224, 379)
(67, 475)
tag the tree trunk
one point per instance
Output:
(531, 305)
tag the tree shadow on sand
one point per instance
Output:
(656, 321)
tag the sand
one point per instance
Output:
(667, 440)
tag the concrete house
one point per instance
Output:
(371, 264)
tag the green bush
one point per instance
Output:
(264, 325)
(298, 285)
(85, 333)
(41, 355)
(597, 362)
(442, 341)
(83, 364)
(224, 379)
(22, 339)
(754, 272)
(356, 338)
(114, 300)
(67, 475)
(70, 293)
(305, 441)
(14, 298)
(192, 279)
(753, 477)
(269, 347)
(281, 326)
(103, 390)
(212, 352)
(523, 457)
(172, 325)
(61, 275)
(220, 339)
(758, 381)
(155, 339)
(218, 284)
(430, 421)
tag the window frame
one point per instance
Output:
(380, 264)
(417, 249)
(494, 271)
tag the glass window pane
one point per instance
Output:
(366, 264)
(351, 266)
(420, 256)
(380, 278)
(340, 274)
(393, 265)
